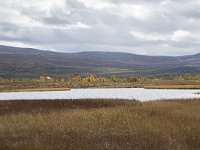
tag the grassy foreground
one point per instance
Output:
(99, 124)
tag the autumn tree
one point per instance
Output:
(143, 79)
(133, 79)
(77, 78)
(90, 78)
(114, 78)
(197, 77)
(178, 78)
(42, 79)
(101, 79)
(188, 77)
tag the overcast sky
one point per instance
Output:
(150, 27)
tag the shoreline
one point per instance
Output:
(167, 87)
(36, 90)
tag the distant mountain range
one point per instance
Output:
(26, 62)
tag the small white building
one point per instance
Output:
(49, 78)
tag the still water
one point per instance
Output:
(104, 93)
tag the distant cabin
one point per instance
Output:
(49, 78)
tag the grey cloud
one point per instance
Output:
(72, 26)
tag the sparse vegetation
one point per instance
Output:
(98, 124)
(172, 87)
(78, 81)
(36, 89)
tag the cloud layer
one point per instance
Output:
(156, 27)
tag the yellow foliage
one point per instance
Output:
(91, 78)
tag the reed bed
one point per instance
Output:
(99, 124)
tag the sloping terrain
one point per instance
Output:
(27, 62)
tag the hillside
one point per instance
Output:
(26, 62)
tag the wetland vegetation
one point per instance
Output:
(99, 124)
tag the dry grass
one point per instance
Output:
(35, 89)
(98, 124)
(172, 87)
(18, 86)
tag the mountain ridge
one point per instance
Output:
(82, 52)
(37, 62)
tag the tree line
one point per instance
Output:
(102, 79)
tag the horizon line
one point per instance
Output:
(97, 52)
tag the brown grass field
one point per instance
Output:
(100, 124)
(35, 89)
(172, 87)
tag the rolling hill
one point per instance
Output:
(26, 63)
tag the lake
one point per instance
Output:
(104, 93)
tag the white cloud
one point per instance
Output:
(97, 4)
(79, 25)
(181, 35)
(15, 43)
(149, 36)
(137, 11)
(125, 10)
(165, 2)
(76, 26)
